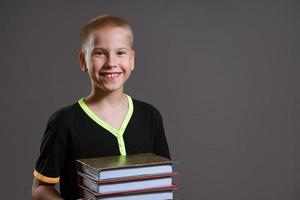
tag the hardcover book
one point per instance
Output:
(116, 167)
(126, 184)
(147, 194)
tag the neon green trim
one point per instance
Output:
(118, 133)
(94, 117)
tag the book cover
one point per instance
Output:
(86, 192)
(110, 167)
(159, 195)
(126, 184)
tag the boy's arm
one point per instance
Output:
(161, 145)
(44, 191)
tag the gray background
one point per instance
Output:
(224, 74)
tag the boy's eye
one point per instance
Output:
(120, 53)
(99, 52)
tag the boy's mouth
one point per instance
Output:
(110, 74)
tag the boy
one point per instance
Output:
(105, 123)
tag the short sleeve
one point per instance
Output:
(160, 144)
(52, 151)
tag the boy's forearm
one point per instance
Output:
(42, 191)
(45, 193)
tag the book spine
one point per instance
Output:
(87, 196)
(90, 184)
(90, 172)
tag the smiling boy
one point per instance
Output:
(107, 122)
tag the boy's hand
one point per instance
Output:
(45, 191)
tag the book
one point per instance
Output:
(147, 194)
(116, 167)
(126, 184)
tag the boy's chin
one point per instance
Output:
(111, 88)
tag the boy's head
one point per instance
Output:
(107, 52)
(87, 35)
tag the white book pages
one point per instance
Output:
(163, 195)
(135, 185)
(127, 186)
(135, 171)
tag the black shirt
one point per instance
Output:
(72, 133)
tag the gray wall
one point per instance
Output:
(224, 74)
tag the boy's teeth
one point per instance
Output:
(111, 75)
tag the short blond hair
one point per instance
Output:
(99, 22)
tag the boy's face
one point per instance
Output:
(109, 60)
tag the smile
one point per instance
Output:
(111, 75)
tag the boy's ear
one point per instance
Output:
(82, 61)
(132, 60)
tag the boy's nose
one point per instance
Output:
(111, 61)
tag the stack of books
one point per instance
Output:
(132, 177)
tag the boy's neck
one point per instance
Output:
(111, 98)
(110, 107)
